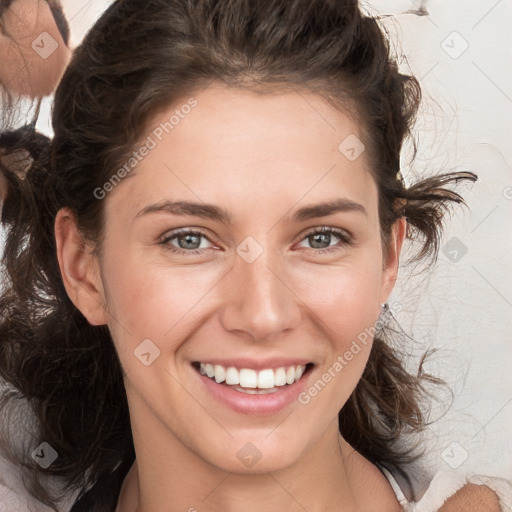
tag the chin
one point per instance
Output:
(255, 455)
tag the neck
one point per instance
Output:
(168, 477)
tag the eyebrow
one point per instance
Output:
(210, 211)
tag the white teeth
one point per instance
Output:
(251, 379)
(220, 373)
(248, 378)
(210, 370)
(266, 379)
(232, 376)
(280, 377)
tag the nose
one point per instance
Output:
(259, 298)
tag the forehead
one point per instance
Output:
(222, 144)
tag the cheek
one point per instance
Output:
(345, 306)
(345, 303)
(148, 300)
(345, 298)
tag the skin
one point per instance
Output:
(477, 498)
(24, 71)
(261, 157)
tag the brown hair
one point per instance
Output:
(139, 56)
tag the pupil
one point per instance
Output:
(317, 238)
(190, 239)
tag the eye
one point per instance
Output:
(187, 241)
(320, 239)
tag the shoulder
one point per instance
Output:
(452, 491)
(472, 498)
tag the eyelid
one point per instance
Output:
(340, 232)
(345, 237)
(170, 235)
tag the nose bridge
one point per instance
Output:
(259, 299)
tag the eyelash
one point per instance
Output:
(342, 235)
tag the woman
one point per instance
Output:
(199, 259)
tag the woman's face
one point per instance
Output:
(255, 290)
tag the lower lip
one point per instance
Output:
(256, 405)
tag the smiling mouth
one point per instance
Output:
(249, 381)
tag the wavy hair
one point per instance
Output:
(139, 57)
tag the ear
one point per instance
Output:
(79, 269)
(391, 264)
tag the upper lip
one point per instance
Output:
(256, 364)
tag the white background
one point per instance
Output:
(463, 306)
